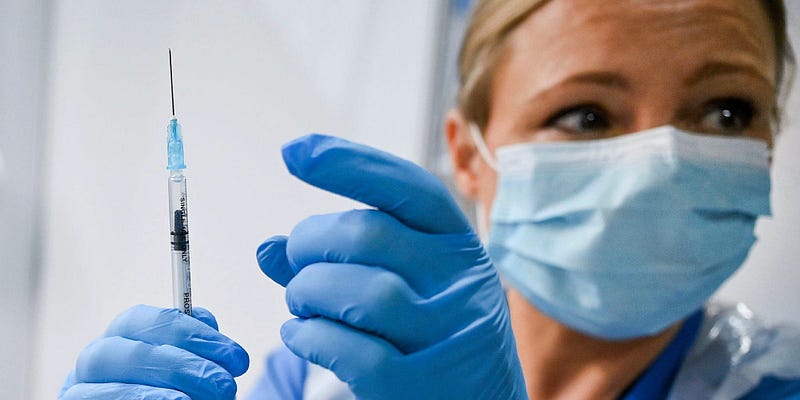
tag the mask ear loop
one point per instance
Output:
(480, 144)
(482, 223)
(483, 150)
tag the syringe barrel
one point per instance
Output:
(181, 282)
(178, 207)
(179, 242)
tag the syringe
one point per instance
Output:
(178, 211)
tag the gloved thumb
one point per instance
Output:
(205, 316)
(272, 260)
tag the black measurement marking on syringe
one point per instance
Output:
(184, 214)
(180, 234)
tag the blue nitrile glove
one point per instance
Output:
(400, 302)
(158, 353)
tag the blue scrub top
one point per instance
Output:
(656, 380)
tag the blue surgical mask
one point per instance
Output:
(622, 237)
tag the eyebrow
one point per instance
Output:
(604, 78)
(600, 78)
(716, 68)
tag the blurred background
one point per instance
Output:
(84, 101)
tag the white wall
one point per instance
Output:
(769, 280)
(22, 33)
(247, 79)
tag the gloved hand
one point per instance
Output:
(400, 302)
(157, 353)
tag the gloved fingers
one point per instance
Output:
(271, 256)
(116, 359)
(120, 391)
(369, 299)
(163, 326)
(68, 382)
(205, 316)
(346, 351)
(372, 237)
(394, 185)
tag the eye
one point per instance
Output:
(581, 120)
(727, 116)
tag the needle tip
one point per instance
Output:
(171, 89)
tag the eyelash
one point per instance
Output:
(601, 116)
(711, 117)
(743, 111)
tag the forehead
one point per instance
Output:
(568, 35)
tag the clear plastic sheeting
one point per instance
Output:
(733, 351)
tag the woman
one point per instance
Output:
(610, 241)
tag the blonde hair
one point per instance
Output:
(482, 49)
(485, 42)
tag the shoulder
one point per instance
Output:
(288, 377)
(736, 355)
(283, 378)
